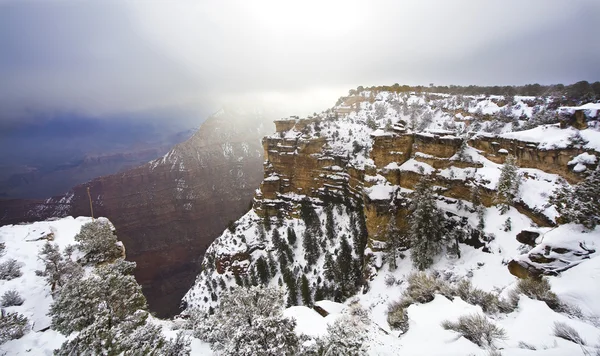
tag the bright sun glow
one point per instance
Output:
(308, 18)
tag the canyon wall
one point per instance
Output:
(168, 211)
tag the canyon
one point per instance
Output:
(168, 211)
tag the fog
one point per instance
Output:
(185, 59)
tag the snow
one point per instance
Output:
(22, 244)
(412, 165)
(591, 109)
(425, 328)
(581, 286)
(532, 322)
(553, 137)
(308, 321)
(380, 191)
(331, 307)
(584, 158)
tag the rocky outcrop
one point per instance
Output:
(551, 262)
(529, 155)
(168, 211)
(528, 237)
(299, 165)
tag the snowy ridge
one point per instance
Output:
(348, 133)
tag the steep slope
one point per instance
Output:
(339, 182)
(168, 211)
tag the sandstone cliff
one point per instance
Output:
(364, 159)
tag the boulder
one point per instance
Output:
(528, 237)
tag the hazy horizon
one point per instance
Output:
(184, 60)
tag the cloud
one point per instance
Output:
(189, 57)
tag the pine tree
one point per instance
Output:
(346, 336)
(507, 225)
(329, 224)
(345, 274)
(291, 235)
(425, 225)
(305, 291)
(58, 269)
(267, 221)
(508, 184)
(11, 298)
(238, 280)
(98, 243)
(250, 321)
(311, 249)
(262, 269)
(12, 326)
(329, 267)
(478, 206)
(179, 346)
(272, 264)
(101, 307)
(292, 287)
(276, 239)
(461, 154)
(580, 203)
(394, 239)
(10, 269)
(260, 232)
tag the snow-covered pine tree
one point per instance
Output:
(262, 270)
(103, 308)
(305, 291)
(346, 336)
(291, 235)
(507, 225)
(249, 321)
(11, 298)
(508, 184)
(98, 242)
(426, 228)
(58, 269)
(461, 154)
(329, 223)
(394, 239)
(292, 286)
(12, 326)
(10, 269)
(580, 203)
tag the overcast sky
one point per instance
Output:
(186, 58)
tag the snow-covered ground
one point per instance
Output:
(22, 244)
(530, 323)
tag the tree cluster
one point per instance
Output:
(106, 307)
(579, 203)
(249, 321)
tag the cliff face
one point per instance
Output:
(168, 211)
(334, 183)
(302, 166)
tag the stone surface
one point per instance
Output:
(528, 237)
